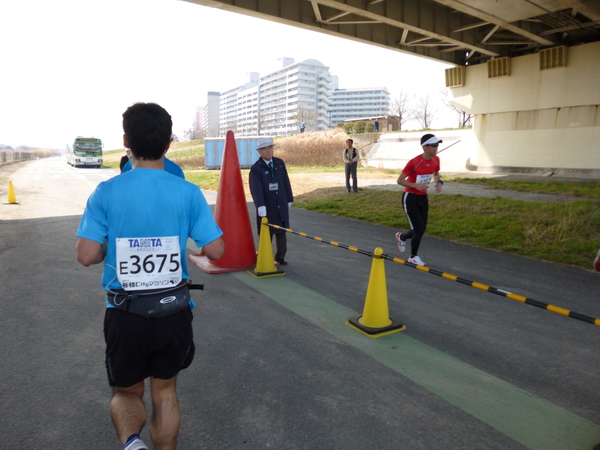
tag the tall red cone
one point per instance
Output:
(231, 214)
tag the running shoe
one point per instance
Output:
(135, 444)
(416, 260)
(401, 243)
(597, 262)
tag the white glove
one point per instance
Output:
(289, 205)
(262, 211)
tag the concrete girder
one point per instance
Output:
(390, 19)
(590, 9)
(453, 31)
(497, 21)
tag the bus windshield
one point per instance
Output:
(87, 149)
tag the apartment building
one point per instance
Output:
(210, 114)
(351, 104)
(277, 103)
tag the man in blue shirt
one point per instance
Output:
(142, 241)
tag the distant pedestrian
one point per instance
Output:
(302, 127)
(376, 126)
(168, 165)
(415, 178)
(351, 157)
(272, 194)
(124, 159)
(597, 262)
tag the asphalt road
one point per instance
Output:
(276, 366)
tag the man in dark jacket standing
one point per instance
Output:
(272, 194)
(351, 157)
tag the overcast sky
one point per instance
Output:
(71, 67)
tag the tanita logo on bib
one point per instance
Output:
(170, 299)
(148, 242)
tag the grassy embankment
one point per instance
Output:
(559, 232)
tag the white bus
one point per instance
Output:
(85, 152)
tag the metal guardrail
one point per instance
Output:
(14, 156)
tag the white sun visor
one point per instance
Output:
(431, 140)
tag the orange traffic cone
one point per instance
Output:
(265, 266)
(12, 198)
(375, 321)
(231, 214)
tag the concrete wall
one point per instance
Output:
(536, 120)
(394, 150)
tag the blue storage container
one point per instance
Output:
(246, 149)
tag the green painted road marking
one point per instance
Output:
(534, 422)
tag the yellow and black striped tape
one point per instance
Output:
(448, 276)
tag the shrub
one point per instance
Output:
(191, 162)
(359, 127)
(348, 128)
(370, 127)
(320, 148)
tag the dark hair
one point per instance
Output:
(426, 137)
(351, 140)
(148, 128)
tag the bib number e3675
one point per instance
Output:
(148, 263)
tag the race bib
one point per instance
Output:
(148, 263)
(424, 179)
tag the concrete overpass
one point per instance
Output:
(526, 69)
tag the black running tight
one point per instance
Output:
(416, 208)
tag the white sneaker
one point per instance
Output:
(416, 260)
(401, 243)
(136, 444)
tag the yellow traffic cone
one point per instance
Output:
(376, 321)
(265, 265)
(12, 198)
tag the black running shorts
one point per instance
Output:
(137, 347)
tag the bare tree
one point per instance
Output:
(231, 126)
(425, 111)
(401, 108)
(464, 118)
(263, 121)
(307, 116)
(198, 132)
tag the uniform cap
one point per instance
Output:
(264, 142)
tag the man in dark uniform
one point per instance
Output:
(272, 194)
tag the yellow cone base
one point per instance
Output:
(256, 274)
(395, 326)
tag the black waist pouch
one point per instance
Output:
(153, 303)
